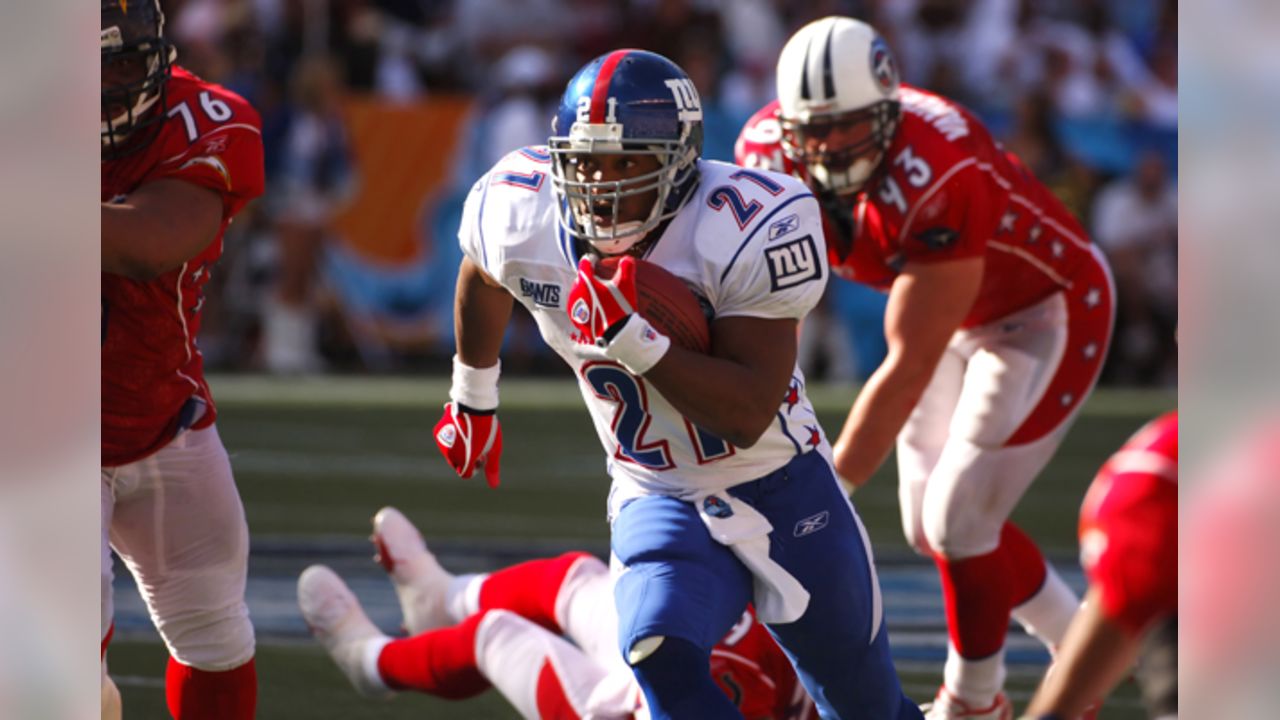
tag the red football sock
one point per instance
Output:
(202, 695)
(111, 630)
(437, 662)
(976, 592)
(553, 702)
(1026, 565)
(529, 589)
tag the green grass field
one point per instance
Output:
(316, 458)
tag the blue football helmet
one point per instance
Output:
(625, 102)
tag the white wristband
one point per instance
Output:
(638, 345)
(477, 388)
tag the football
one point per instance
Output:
(666, 302)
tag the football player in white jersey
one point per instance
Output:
(723, 491)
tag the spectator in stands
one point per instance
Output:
(1135, 220)
(316, 177)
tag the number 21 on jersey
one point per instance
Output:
(631, 420)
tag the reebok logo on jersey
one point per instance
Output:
(543, 294)
(788, 224)
(811, 524)
(793, 263)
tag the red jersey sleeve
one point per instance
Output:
(952, 220)
(220, 146)
(1129, 528)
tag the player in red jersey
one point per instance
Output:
(543, 633)
(999, 316)
(1129, 549)
(180, 157)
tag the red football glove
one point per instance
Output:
(595, 305)
(469, 439)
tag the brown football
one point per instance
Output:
(667, 302)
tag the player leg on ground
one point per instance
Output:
(570, 595)
(177, 522)
(541, 675)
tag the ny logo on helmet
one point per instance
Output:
(686, 95)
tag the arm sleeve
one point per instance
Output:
(782, 277)
(471, 230)
(227, 159)
(952, 221)
(1137, 569)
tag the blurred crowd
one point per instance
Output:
(1085, 91)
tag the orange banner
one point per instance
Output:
(404, 155)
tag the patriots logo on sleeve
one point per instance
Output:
(793, 263)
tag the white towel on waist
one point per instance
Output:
(779, 596)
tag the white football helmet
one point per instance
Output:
(838, 102)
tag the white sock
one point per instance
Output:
(462, 598)
(975, 682)
(1048, 613)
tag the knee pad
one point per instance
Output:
(643, 649)
(674, 675)
(210, 640)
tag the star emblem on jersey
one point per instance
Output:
(1057, 248)
(793, 395)
(1092, 297)
(815, 435)
(1067, 399)
(1007, 221)
(1033, 235)
(1090, 350)
(715, 507)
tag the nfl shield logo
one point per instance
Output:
(580, 312)
(717, 508)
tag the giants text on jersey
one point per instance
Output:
(749, 243)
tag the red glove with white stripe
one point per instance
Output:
(595, 304)
(605, 314)
(469, 439)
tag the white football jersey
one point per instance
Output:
(749, 242)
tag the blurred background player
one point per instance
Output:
(180, 157)
(1129, 549)
(543, 632)
(999, 316)
(708, 453)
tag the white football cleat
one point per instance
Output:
(949, 707)
(421, 583)
(340, 624)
